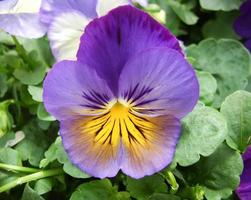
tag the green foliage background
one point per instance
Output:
(207, 163)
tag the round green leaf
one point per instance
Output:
(95, 190)
(237, 110)
(208, 87)
(145, 187)
(36, 93)
(218, 174)
(227, 60)
(203, 131)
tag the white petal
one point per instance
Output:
(64, 34)
(104, 6)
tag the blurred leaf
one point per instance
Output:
(10, 156)
(208, 87)
(183, 12)
(43, 114)
(217, 174)
(96, 190)
(32, 148)
(36, 93)
(43, 186)
(237, 110)
(204, 130)
(3, 85)
(161, 196)
(30, 194)
(30, 76)
(221, 27)
(227, 60)
(225, 5)
(145, 187)
(6, 120)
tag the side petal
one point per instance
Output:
(155, 150)
(159, 81)
(97, 157)
(111, 40)
(143, 3)
(72, 89)
(64, 34)
(104, 6)
(51, 8)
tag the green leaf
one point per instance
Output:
(43, 114)
(36, 93)
(6, 120)
(183, 12)
(30, 194)
(227, 60)
(3, 85)
(225, 5)
(30, 76)
(96, 190)
(143, 188)
(218, 174)
(221, 27)
(160, 196)
(203, 131)
(43, 186)
(33, 146)
(10, 156)
(237, 110)
(208, 87)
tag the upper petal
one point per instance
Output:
(72, 89)
(111, 40)
(104, 6)
(50, 8)
(64, 34)
(159, 81)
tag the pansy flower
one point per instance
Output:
(243, 23)
(63, 20)
(244, 190)
(120, 104)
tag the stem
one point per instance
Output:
(170, 178)
(16, 168)
(31, 177)
(20, 50)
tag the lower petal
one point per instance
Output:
(152, 148)
(90, 147)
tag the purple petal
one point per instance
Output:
(156, 153)
(111, 40)
(248, 44)
(97, 159)
(159, 81)
(25, 25)
(244, 190)
(72, 89)
(50, 8)
(243, 24)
